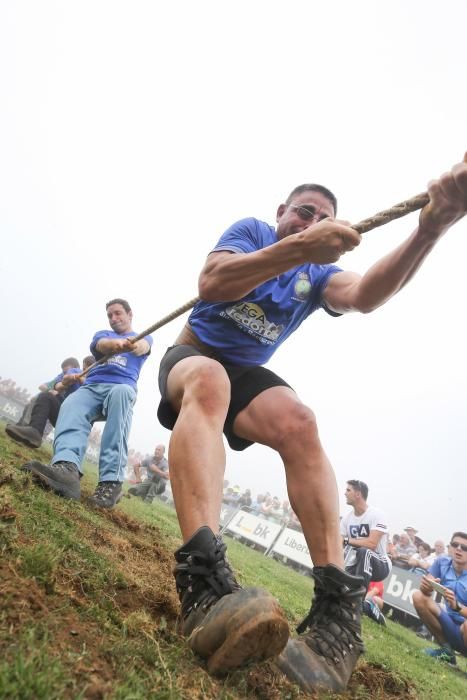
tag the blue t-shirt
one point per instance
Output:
(119, 369)
(72, 387)
(443, 569)
(249, 331)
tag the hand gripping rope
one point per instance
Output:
(383, 217)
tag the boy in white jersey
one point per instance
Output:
(364, 533)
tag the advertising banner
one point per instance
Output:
(254, 528)
(292, 544)
(398, 589)
(227, 513)
(10, 410)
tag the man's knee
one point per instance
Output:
(420, 601)
(297, 428)
(207, 385)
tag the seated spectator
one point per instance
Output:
(286, 512)
(157, 476)
(373, 603)
(245, 500)
(421, 560)
(257, 504)
(403, 552)
(266, 506)
(294, 522)
(231, 496)
(446, 623)
(440, 549)
(364, 536)
(46, 406)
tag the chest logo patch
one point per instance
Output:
(252, 319)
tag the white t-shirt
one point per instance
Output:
(357, 526)
(424, 560)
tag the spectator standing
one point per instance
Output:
(157, 469)
(109, 392)
(245, 500)
(440, 549)
(413, 537)
(404, 550)
(447, 624)
(364, 533)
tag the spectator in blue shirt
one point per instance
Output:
(44, 407)
(446, 623)
(109, 393)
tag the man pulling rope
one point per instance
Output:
(257, 287)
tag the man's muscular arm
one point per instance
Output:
(229, 276)
(348, 291)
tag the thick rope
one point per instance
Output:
(383, 217)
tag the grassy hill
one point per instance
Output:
(88, 608)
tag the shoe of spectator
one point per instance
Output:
(442, 654)
(225, 624)
(106, 495)
(372, 610)
(24, 433)
(61, 477)
(133, 490)
(324, 656)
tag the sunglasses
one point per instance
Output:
(458, 545)
(307, 212)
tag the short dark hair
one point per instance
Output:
(122, 302)
(425, 546)
(312, 187)
(359, 486)
(88, 361)
(70, 362)
(459, 534)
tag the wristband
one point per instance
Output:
(345, 541)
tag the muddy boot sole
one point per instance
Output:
(256, 640)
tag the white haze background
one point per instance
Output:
(133, 134)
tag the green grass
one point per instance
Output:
(88, 608)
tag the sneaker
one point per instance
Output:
(106, 495)
(372, 610)
(324, 656)
(225, 623)
(25, 434)
(61, 477)
(442, 654)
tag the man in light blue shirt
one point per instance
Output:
(446, 623)
(108, 392)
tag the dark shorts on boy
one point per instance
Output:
(246, 382)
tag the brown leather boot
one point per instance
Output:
(225, 624)
(324, 656)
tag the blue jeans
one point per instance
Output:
(114, 403)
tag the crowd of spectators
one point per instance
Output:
(264, 505)
(409, 551)
(10, 389)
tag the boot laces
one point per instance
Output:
(204, 577)
(333, 623)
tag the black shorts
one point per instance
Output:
(246, 382)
